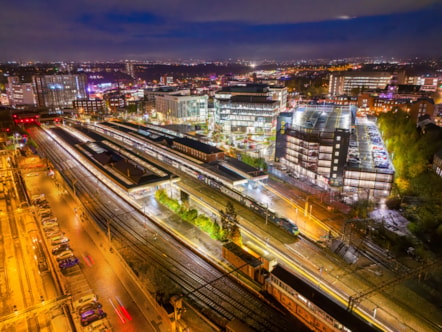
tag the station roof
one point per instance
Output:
(197, 145)
(236, 171)
(129, 171)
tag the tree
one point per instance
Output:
(412, 151)
(230, 212)
(228, 221)
(235, 235)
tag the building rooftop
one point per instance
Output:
(252, 99)
(197, 145)
(324, 117)
(246, 88)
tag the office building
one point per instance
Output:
(59, 91)
(351, 82)
(271, 92)
(20, 93)
(249, 108)
(247, 114)
(175, 108)
(89, 107)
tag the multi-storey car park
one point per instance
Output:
(332, 148)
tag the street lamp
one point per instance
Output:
(267, 213)
(375, 309)
(109, 232)
(73, 186)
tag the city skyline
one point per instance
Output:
(112, 31)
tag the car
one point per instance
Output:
(98, 326)
(43, 205)
(88, 306)
(60, 248)
(64, 255)
(46, 215)
(39, 201)
(54, 233)
(48, 219)
(44, 211)
(50, 225)
(55, 241)
(85, 299)
(91, 316)
(47, 229)
(37, 197)
(68, 262)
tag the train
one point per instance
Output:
(309, 304)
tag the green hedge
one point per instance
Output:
(201, 221)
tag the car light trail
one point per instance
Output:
(123, 309)
(118, 312)
(89, 260)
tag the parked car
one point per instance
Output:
(98, 326)
(48, 219)
(68, 262)
(46, 215)
(54, 233)
(44, 211)
(91, 316)
(47, 229)
(64, 255)
(60, 248)
(55, 241)
(37, 197)
(85, 299)
(43, 205)
(88, 306)
(49, 225)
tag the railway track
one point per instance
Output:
(223, 300)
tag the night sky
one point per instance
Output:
(95, 30)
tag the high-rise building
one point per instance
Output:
(20, 93)
(348, 82)
(59, 91)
